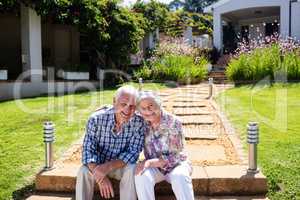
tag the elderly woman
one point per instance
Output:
(163, 150)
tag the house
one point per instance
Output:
(35, 55)
(149, 42)
(39, 56)
(28, 42)
(253, 19)
(193, 38)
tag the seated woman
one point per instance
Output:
(164, 156)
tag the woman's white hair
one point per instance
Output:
(126, 89)
(149, 95)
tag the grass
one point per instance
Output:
(277, 109)
(21, 132)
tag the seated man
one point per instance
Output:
(114, 138)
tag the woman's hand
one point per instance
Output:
(155, 162)
(140, 167)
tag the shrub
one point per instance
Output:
(291, 63)
(182, 69)
(255, 61)
(174, 60)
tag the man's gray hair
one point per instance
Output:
(126, 89)
(149, 95)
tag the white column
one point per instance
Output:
(284, 19)
(218, 31)
(295, 22)
(31, 43)
(188, 35)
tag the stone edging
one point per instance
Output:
(231, 132)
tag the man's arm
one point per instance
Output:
(90, 149)
(101, 170)
(135, 146)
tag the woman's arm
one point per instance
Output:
(155, 162)
(176, 146)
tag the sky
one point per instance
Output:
(130, 2)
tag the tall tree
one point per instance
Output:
(154, 12)
(191, 5)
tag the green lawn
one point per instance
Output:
(21, 132)
(279, 148)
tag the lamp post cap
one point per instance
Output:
(253, 123)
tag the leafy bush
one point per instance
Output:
(177, 21)
(182, 69)
(174, 60)
(255, 61)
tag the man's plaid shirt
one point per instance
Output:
(101, 144)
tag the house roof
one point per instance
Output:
(209, 9)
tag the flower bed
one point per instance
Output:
(174, 61)
(265, 59)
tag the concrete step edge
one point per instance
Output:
(71, 196)
(211, 180)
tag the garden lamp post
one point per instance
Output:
(140, 84)
(48, 140)
(252, 140)
(210, 89)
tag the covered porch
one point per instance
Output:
(248, 19)
(31, 45)
(251, 24)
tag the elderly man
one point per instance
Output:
(114, 138)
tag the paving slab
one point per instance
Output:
(207, 132)
(217, 198)
(189, 104)
(55, 196)
(61, 179)
(196, 119)
(188, 100)
(198, 153)
(49, 196)
(212, 180)
(235, 177)
(191, 96)
(192, 111)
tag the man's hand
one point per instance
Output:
(105, 188)
(99, 172)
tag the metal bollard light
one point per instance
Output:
(210, 90)
(140, 84)
(48, 139)
(252, 140)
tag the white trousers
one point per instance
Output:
(179, 178)
(85, 183)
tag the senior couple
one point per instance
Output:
(114, 138)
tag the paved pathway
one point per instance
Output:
(206, 142)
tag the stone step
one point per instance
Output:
(183, 100)
(196, 132)
(185, 104)
(197, 119)
(71, 196)
(210, 180)
(191, 111)
(191, 96)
